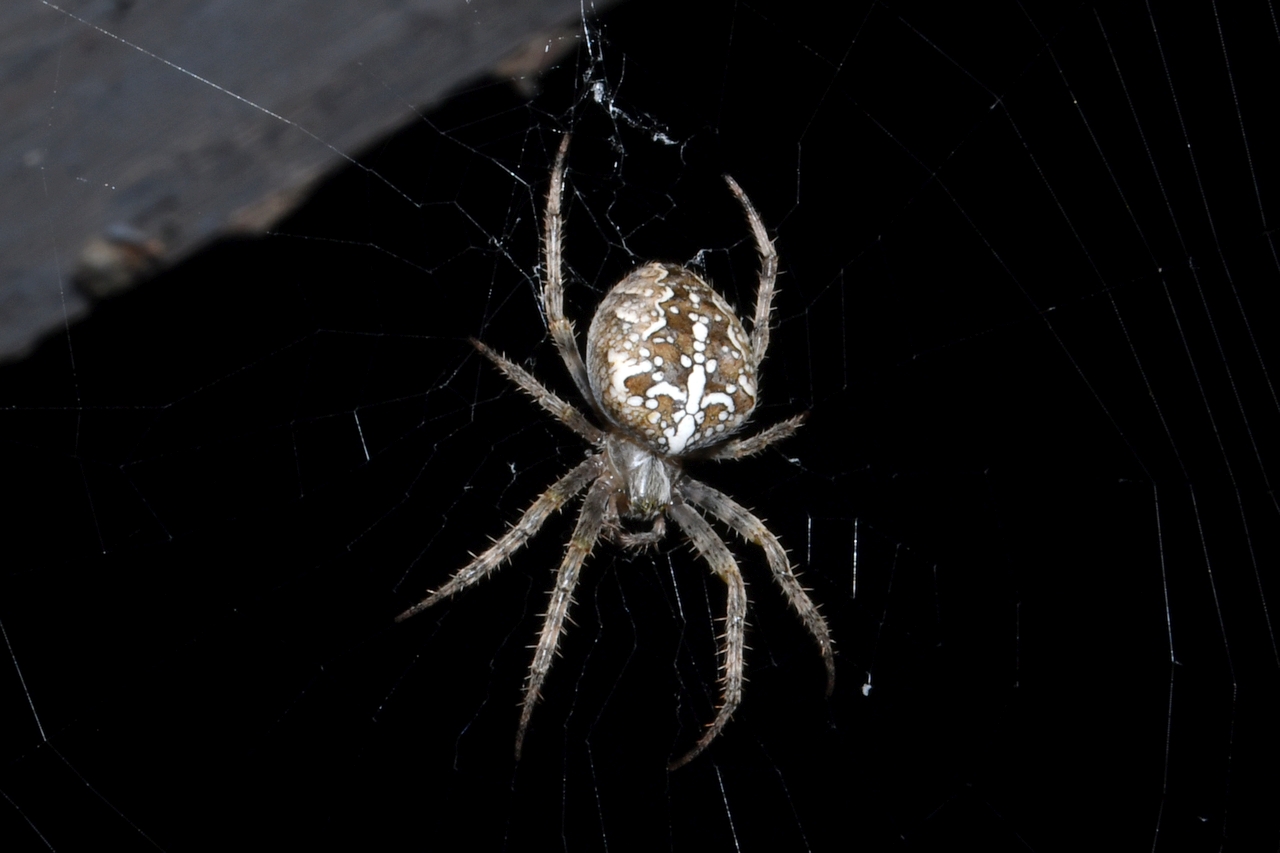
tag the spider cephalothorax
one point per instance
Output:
(670, 373)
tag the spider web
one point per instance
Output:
(1025, 256)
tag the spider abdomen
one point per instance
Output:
(669, 360)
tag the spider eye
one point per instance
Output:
(669, 360)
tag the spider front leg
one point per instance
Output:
(716, 553)
(752, 529)
(515, 538)
(591, 520)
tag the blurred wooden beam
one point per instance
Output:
(136, 131)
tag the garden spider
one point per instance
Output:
(671, 375)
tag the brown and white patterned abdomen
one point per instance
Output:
(669, 360)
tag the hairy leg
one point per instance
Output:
(752, 444)
(752, 529)
(543, 396)
(591, 521)
(768, 273)
(515, 538)
(553, 286)
(716, 553)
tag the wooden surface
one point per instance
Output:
(136, 132)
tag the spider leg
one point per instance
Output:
(521, 532)
(752, 529)
(752, 444)
(716, 553)
(768, 274)
(553, 287)
(543, 396)
(591, 520)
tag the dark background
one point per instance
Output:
(1026, 259)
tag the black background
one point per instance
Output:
(1024, 298)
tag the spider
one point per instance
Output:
(671, 374)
